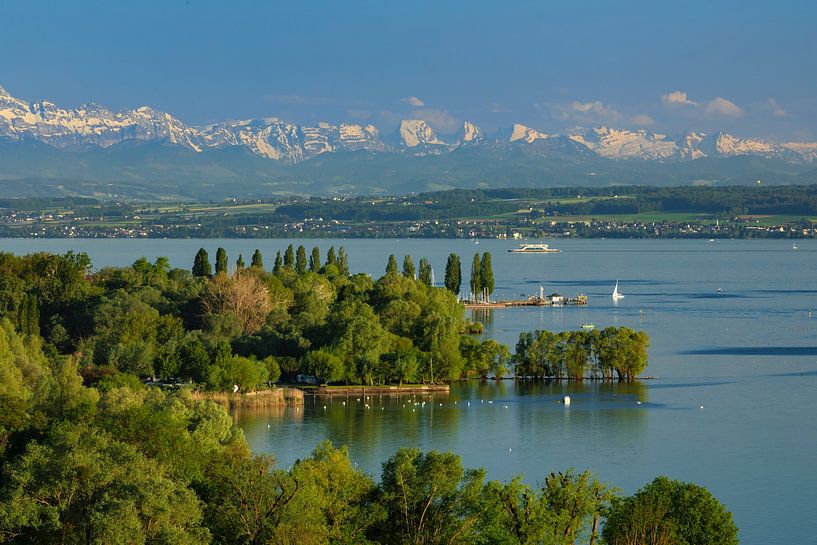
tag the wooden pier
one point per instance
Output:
(554, 300)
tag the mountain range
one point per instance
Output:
(90, 147)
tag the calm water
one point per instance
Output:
(747, 355)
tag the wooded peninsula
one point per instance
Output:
(89, 453)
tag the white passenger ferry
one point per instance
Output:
(533, 249)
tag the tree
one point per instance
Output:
(391, 266)
(668, 512)
(429, 499)
(201, 264)
(453, 274)
(476, 276)
(279, 262)
(257, 260)
(243, 296)
(514, 514)
(325, 365)
(221, 261)
(408, 267)
(28, 315)
(289, 257)
(425, 272)
(343, 262)
(300, 260)
(486, 276)
(330, 257)
(247, 501)
(78, 485)
(239, 263)
(315, 259)
(343, 496)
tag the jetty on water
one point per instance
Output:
(540, 300)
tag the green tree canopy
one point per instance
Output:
(408, 267)
(453, 274)
(476, 276)
(221, 260)
(201, 264)
(668, 512)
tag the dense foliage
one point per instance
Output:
(576, 354)
(251, 327)
(126, 463)
(91, 455)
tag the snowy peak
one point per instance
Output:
(726, 144)
(470, 132)
(94, 125)
(416, 132)
(624, 144)
(526, 134)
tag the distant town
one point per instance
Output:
(627, 212)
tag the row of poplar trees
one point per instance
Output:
(482, 274)
(292, 258)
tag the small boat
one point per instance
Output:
(711, 240)
(616, 294)
(720, 290)
(588, 326)
(794, 246)
(533, 249)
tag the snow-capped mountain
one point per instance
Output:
(89, 124)
(278, 140)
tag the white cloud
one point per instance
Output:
(776, 109)
(413, 101)
(723, 107)
(440, 120)
(359, 114)
(677, 98)
(594, 110)
(297, 100)
(642, 119)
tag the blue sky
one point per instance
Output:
(747, 67)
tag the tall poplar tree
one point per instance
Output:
(257, 260)
(476, 276)
(330, 257)
(487, 276)
(343, 262)
(221, 261)
(391, 266)
(279, 262)
(239, 263)
(289, 257)
(315, 259)
(300, 260)
(408, 267)
(201, 264)
(453, 274)
(424, 275)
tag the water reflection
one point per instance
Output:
(484, 421)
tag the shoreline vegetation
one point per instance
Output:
(304, 321)
(89, 453)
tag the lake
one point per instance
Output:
(732, 407)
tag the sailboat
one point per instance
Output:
(794, 246)
(616, 294)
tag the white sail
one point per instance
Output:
(616, 294)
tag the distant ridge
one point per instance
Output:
(92, 125)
